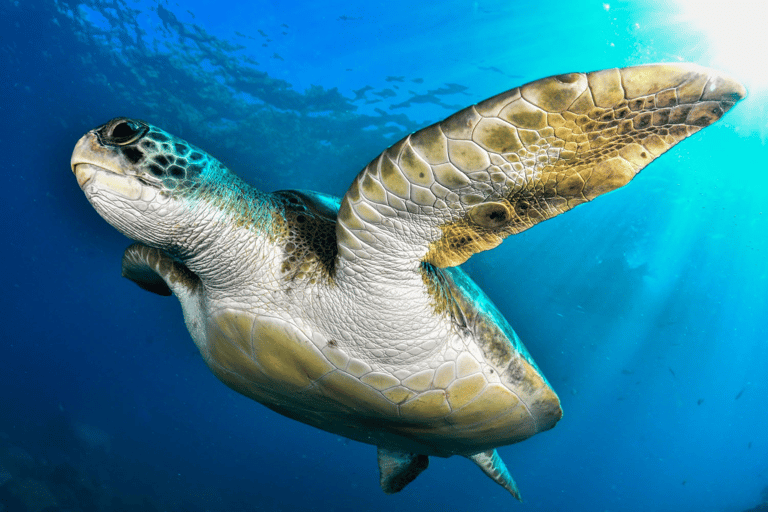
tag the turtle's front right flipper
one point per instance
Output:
(499, 167)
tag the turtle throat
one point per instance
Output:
(231, 228)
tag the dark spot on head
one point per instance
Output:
(300, 218)
(148, 144)
(160, 137)
(332, 343)
(133, 154)
(195, 156)
(176, 171)
(162, 160)
(181, 161)
(194, 170)
(421, 175)
(643, 155)
(156, 170)
(181, 149)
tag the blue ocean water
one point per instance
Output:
(646, 309)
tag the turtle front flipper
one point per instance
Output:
(156, 271)
(499, 167)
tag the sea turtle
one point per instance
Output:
(351, 315)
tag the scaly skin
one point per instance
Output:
(348, 319)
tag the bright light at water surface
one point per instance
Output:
(736, 36)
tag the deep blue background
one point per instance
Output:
(646, 309)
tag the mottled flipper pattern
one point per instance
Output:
(494, 467)
(499, 167)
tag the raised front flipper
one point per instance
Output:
(499, 167)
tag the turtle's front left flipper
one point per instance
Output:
(499, 167)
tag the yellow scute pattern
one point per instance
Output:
(266, 352)
(274, 362)
(230, 352)
(286, 355)
(493, 401)
(350, 392)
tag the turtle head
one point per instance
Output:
(146, 182)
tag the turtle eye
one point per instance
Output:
(120, 132)
(125, 130)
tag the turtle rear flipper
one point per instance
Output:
(492, 465)
(397, 469)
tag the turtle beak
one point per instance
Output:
(79, 164)
(91, 156)
(98, 167)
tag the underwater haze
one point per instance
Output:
(646, 309)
